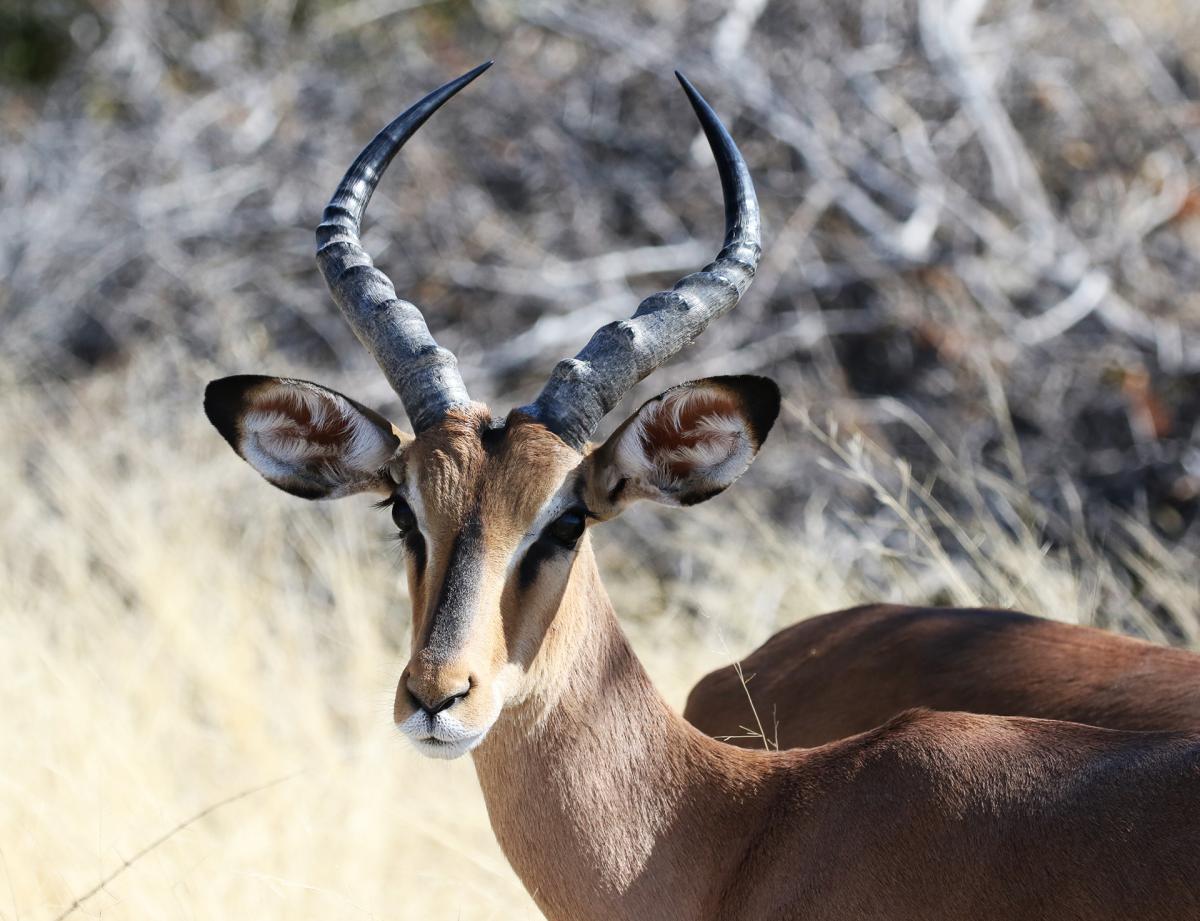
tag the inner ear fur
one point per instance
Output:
(684, 446)
(306, 439)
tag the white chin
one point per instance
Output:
(436, 748)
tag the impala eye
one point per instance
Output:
(402, 515)
(567, 528)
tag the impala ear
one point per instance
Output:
(304, 438)
(683, 446)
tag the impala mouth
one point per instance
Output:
(433, 747)
(441, 736)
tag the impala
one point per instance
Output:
(608, 804)
(838, 674)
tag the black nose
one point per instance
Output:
(438, 706)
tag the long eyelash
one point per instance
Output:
(385, 503)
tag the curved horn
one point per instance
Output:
(583, 389)
(424, 375)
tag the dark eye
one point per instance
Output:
(567, 528)
(402, 515)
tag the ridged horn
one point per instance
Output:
(423, 374)
(583, 389)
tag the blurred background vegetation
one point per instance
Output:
(980, 293)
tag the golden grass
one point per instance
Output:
(175, 631)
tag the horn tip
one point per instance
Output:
(699, 103)
(478, 69)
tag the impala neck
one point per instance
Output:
(606, 803)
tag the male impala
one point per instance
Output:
(831, 676)
(609, 805)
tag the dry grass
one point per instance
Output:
(173, 635)
(176, 632)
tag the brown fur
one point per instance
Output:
(839, 674)
(610, 806)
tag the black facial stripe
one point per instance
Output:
(414, 546)
(538, 552)
(460, 585)
(546, 546)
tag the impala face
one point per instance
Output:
(491, 518)
(493, 513)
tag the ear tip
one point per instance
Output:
(766, 388)
(223, 400)
(762, 399)
(215, 392)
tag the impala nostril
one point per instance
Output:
(447, 702)
(444, 703)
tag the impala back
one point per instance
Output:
(839, 674)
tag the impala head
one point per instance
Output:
(494, 511)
